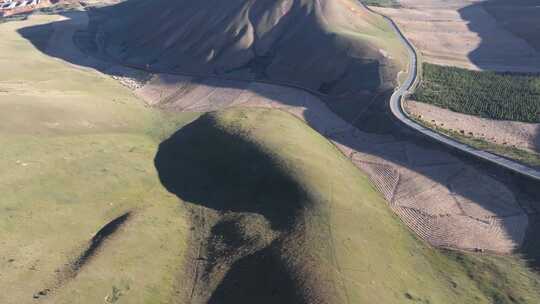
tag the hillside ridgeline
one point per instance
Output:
(334, 47)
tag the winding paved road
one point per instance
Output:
(396, 107)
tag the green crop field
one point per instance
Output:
(492, 95)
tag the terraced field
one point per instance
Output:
(520, 135)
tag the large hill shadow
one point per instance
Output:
(237, 177)
(257, 278)
(367, 111)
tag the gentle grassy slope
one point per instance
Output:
(486, 94)
(77, 152)
(527, 157)
(75, 157)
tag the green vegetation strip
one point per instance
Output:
(527, 157)
(381, 3)
(503, 96)
(369, 252)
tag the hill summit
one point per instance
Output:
(332, 46)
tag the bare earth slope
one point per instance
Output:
(520, 134)
(335, 47)
(462, 33)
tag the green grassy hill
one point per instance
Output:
(91, 181)
(333, 234)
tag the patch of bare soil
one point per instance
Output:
(429, 189)
(463, 34)
(519, 134)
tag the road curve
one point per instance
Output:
(396, 107)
